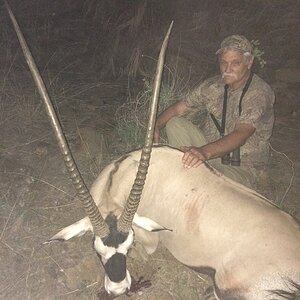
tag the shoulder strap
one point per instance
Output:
(221, 128)
(245, 89)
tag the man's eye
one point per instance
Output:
(236, 63)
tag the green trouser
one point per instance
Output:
(182, 132)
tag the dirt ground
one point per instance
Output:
(37, 198)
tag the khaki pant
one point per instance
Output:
(182, 132)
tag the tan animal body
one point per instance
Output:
(249, 246)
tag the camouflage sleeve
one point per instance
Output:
(199, 97)
(254, 108)
(195, 99)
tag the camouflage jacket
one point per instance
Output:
(257, 109)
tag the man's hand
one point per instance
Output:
(193, 157)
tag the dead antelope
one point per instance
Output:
(249, 246)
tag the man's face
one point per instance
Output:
(235, 68)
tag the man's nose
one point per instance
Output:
(228, 68)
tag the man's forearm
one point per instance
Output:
(195, 156)
(177, 109)
(228, 143)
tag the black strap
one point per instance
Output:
(224, 111)
(221, 128)
(245, 89)
(216, 122)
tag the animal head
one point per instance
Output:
(112, 237)
(112, 251)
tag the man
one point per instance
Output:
(240, 117)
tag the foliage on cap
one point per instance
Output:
(242, 44)
(236, 42)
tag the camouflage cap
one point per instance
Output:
(236, 42)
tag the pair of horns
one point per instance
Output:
(99, 225)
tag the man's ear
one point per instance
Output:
(251, 59)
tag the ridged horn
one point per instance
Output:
(99, 226)
(133, 200)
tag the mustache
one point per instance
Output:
(229, 75)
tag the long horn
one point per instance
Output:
(99, 226)
(132, 203)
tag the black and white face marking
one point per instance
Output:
(112, 251)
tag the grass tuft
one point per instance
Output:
(132, 116)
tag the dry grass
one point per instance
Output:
(132, 116)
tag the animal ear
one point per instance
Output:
(148, 224)
(77, 229)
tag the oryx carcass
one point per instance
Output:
(246, 243)
(208, 222)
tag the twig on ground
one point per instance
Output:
(39, 180)
(11, 286)
(28, 272)
(12, 249)
(49, 256)
(54, 207)
(5, 225)
(80, 290)
(25, 144)
(86, 148)
(203, 279)
(292, 177)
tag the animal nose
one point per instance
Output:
(117, 288)
(119, 291)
